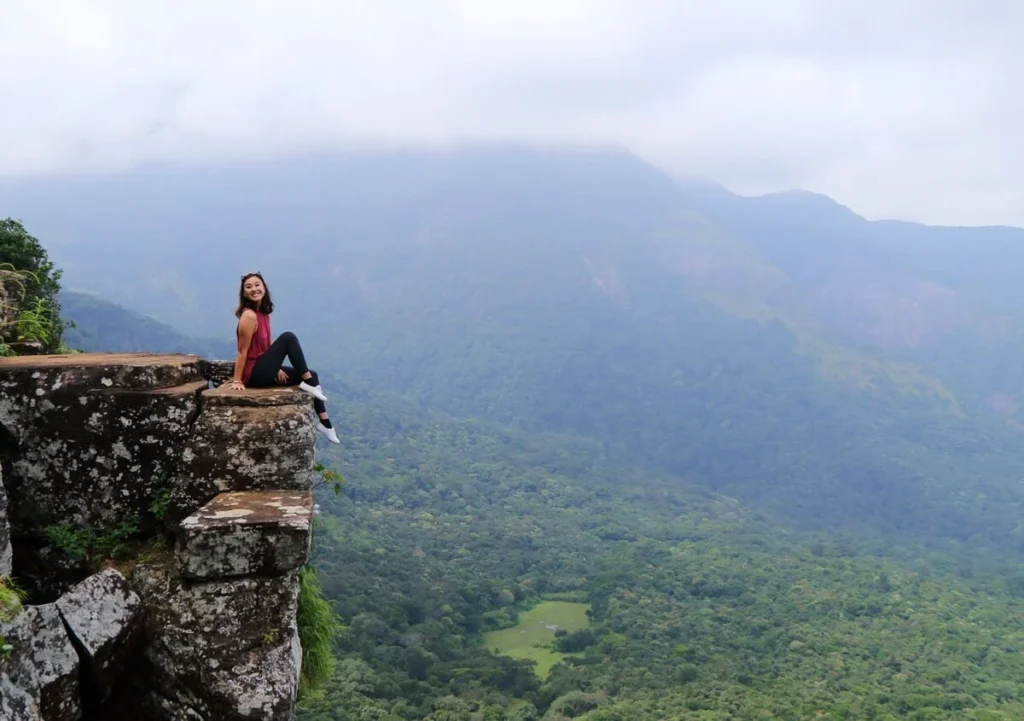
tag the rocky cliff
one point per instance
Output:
(158, 526)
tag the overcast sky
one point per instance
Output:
(897, 108)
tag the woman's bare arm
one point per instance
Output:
(246, 329)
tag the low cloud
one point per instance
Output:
(906, 108)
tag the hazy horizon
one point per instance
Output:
(327, 155)
(897, 110)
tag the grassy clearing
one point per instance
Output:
(531, 639)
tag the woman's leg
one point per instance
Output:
(324, 426)
(294, 379)
(264, 370)
(264, 375)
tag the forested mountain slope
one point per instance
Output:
(699, 605)
(100, 325)
(781, 350)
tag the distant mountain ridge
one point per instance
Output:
(102, 326)
(782, 348)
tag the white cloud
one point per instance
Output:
(904, 108)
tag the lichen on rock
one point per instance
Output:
(225, 649)
(43, 663)
(93, 436)
(16, 704)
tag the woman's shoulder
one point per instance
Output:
(247, 316)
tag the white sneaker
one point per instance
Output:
(315, 391)
(329, 432)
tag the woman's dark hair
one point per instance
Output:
(266, 304)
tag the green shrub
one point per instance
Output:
(10, 600)
(74, 542)
(40, 317)
(319, 628)
(161, 503)
(85, 544)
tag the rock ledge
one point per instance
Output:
(247, 533)
(138, 448)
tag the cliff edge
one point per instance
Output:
(158, 526)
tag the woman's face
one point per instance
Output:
(253, 289)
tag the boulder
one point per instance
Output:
(16, 704)
(90, 438)
(103, 616)
(256, 439)
(89, 442)
(226, 650)
(6, 558)
(43, 663)
(246, 533)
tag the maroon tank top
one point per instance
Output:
(258, 346)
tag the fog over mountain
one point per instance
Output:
(900, 109)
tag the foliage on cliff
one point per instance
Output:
(11, 598)
(319, 629)
(38, 315)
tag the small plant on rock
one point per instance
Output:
(84, 544)
(116, 543)
(328, 477)
(74, 542)
(161, 503)
(36, 322)
(11, 598)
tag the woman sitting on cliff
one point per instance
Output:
(260, 363)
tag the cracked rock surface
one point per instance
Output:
(43, 663)
(103, 615)
(226, 650)
(6, 556)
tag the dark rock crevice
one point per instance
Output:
(88, 694)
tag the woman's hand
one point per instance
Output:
(282, 377)
(235, 385)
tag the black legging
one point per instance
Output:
(264, 370)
